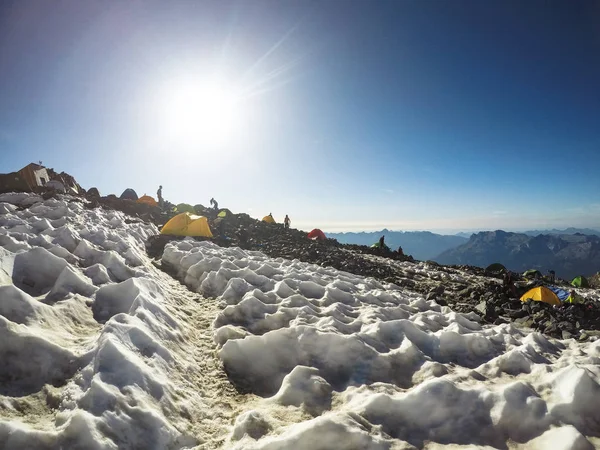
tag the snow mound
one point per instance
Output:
(36, 270)
(85, 339)
(304, 387)
(362, 355)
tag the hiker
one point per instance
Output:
(552, 276)
(286, 222)
(242, 237)
(508, 284)
(160, 197)
(400, 251)
(381, 242)
(214, 204)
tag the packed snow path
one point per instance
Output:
(99, 349)
(365, 365)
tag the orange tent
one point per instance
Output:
(317, 234)
(147, 200)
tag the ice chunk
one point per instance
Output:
(66, 237)
(563, 438)
(16, 305)
(98, 274)
(71, 282)
(251, 423)
(328, 432)
(6, 208)
(36, 270)
(576, 396)
(45, 362)
(126, 297)
(6, 266)
(304, 387)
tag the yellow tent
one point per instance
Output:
(541, 294)
(269, 219)
(186, 224)
(147, 200)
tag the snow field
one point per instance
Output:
(361, 364)
(91, 352)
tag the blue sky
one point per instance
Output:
(346, 115)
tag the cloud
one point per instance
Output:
(499, 213)
(388, 191)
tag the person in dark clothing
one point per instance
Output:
(382, 242)
(214, 204)
(243, 237)
(160, 197)
(508, 284)
(400, 251)
(552, 276)
(286, 222)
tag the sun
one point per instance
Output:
(201, 113)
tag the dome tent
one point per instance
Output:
(185, 207)
(129, 194)
(541, 294)
(317, 234)
(580, 282)
(186, 224)
(495, 268)
(269, 219)
(532, 273)
(147, 200)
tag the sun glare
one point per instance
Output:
(201, 114)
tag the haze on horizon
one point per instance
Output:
(348, 116)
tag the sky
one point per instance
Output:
(346, 115)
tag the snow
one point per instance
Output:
(354, 351)
(101, 350)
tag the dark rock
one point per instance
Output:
(566, 335)
(518, 314)
(481, 308)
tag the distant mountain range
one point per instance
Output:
(570, 230)
(568, 254)
(422, 245)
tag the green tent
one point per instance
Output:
(532, 273)
(496, 267)
(580, 282)
(185, 207)
(376, 245)
(224, 213)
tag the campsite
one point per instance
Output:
(299, 225)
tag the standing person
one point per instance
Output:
(508, 283)
(382, 242)
(160, 197)
(214, 204)
(552, 276)
(286, 222)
